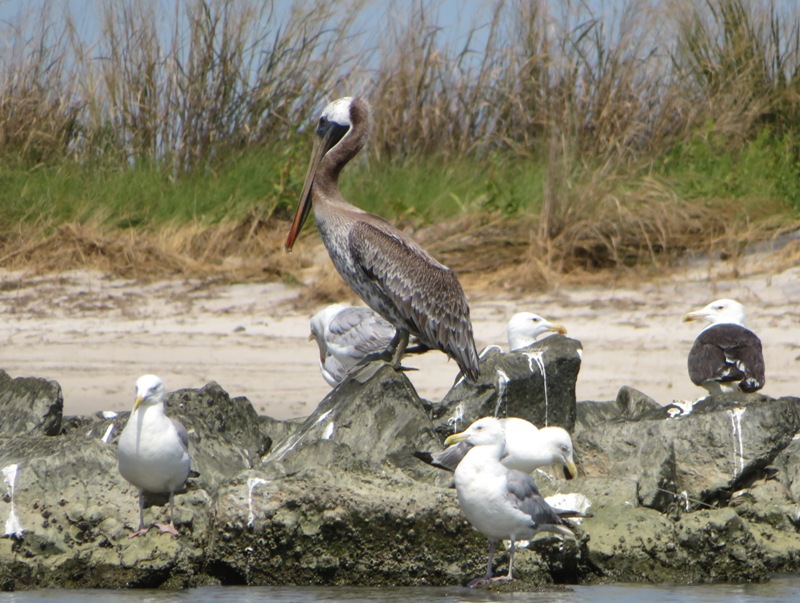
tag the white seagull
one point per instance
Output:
(526, 448)
(502, 503)
(525, 328)
(345, 336)
(153, 450)
(726, 357)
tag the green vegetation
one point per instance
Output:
(607, 135)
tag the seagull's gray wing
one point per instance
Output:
(183, 437)
(447, 459)
(523, 494)
(333, 371)
(356, 332)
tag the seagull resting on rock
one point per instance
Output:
(502, 503)
(153, 450)
(525, 328)
(526, 449)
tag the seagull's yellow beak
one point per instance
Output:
(557, 328)
(137, 402)
(690, 316)
(455, 438)
(570, 470)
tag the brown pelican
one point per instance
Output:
(390, 272)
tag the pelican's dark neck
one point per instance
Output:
(327, 177)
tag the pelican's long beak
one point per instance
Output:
(570, 470)
(304, 206)
(455, 438)
(137, 402)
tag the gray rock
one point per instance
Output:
(29, 406)
(697, 459)
(377, 422)
(75, 512)
(275, 431)
(630, 405)
(632, 543)
(513, 385)
(326, 527)
(711, 496)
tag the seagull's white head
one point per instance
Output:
(720, 311)
(487, 431)
(525, 328)
(150, 391)
(559, 443)
(319, 325)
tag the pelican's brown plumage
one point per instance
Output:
(390, 272)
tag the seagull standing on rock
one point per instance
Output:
(153, 450)
(726, 357)
(502, 503)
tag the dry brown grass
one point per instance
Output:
(242, 251)
(594, 96)
(492, 255)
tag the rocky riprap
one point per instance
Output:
(338, 498)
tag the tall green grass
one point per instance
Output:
(580, 117)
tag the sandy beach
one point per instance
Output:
(95, 335)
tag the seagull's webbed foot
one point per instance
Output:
(483, 581)
(167, 528)
(140, 532)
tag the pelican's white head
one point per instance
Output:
(150, 391)
(337, 112)
(720, 311)
(524, 329)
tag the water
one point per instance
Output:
(782, 588)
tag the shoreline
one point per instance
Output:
(96, 335)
